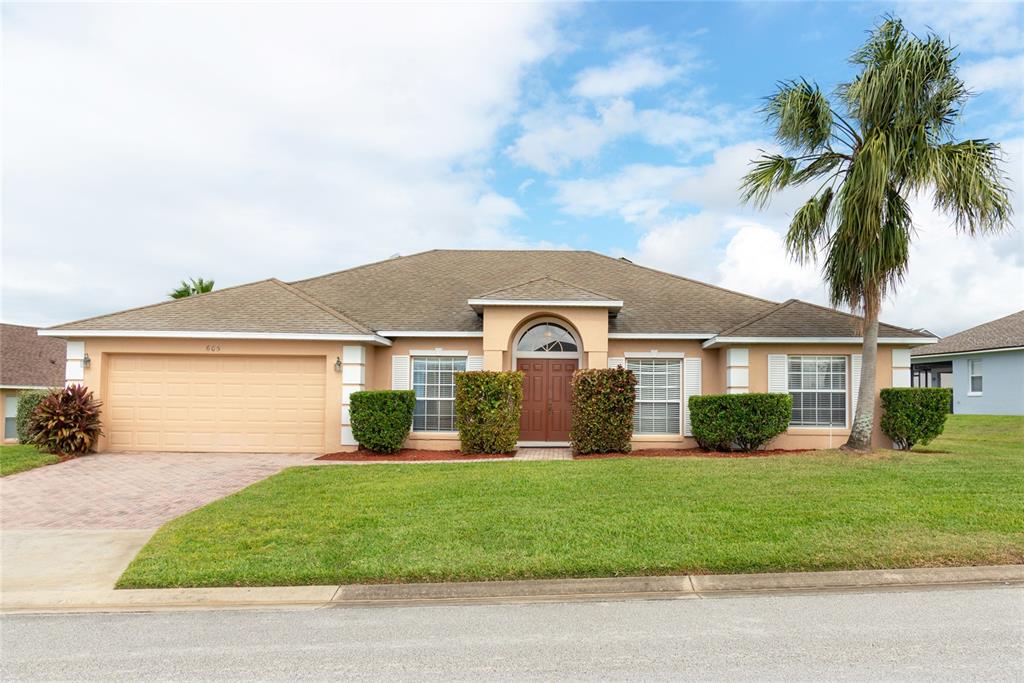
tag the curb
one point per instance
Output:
(501, 592)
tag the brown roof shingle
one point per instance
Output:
(28, 360)
(796, 318)
(1006, 332)
(543, 289)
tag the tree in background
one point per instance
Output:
(192, 287)
(882, 138)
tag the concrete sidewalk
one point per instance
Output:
(497, 592)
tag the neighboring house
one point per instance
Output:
(984, 366)
(271, 366)
(27, 361)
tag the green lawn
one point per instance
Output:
(16, 458)
(827, 510)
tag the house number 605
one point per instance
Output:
(212, 348)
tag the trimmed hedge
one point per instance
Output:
(602, 410)
(487, 409)
(914, 415)
(739, 422)
(66, 421)
(381, 419)
(27, 402)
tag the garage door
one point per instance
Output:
(271, 404)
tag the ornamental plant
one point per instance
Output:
(914, 415)
(487, 409)
(27, 402)
(739, 422)
(381, 420)
(66, 421)
(602, 410)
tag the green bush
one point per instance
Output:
(602, 410)
(27, 402)
(914, 415)
(381, 419)
(487, 409)
(66, 421)
(740, 422)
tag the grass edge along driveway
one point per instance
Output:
(16, 458)
(513, 520)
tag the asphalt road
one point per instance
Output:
(923, 634)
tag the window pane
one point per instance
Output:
(10, 428)
(434, 383)
(817, 385)
(658, 395)
(547, 337)
(976, 384)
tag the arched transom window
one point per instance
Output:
(547, 338)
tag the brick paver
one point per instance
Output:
(542, 453)
(129, 490)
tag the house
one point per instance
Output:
(983, 365)
(27, 361)
(271, 365)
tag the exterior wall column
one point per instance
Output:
(737, 371)
(74, 369)
(901, 367)
(353, 379)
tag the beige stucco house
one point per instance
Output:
(270, 366)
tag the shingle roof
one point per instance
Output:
(543, 289)
(264, 306)
(796, 318)
(1002, 333)
(28, 360)
(430, 292)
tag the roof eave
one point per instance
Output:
(374, 339)
(906, 341)
(612, 305)
(949, 354)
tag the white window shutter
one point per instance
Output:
(691, 387)
(474, 363)
(778, 378)
(399, 372)
(855, 361)
(614, 362)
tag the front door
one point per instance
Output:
(547, 398)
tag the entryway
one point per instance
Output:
(547, 399)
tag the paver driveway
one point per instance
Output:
(129, 490)
(75, 526)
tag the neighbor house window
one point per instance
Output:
(10, 417)
(818, 387)
(658, 404)
(976, 383)
(433, 380)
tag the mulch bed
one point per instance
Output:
(407, 455)
(689, 453)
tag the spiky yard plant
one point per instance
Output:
(191, 287)
(882, 138)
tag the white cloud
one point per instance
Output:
(1002, 74)
(633, 72)
(975, 26)
(756, 262)
(149, 142)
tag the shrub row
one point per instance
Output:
(602, 410)
(739, 422)
(915, 415)
(381, 419)
(63, 421)
(487, 410)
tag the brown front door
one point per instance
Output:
(547, 398)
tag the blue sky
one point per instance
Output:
(149, 142)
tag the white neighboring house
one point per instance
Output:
(984, 366)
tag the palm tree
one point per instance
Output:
(192, 287)
(882, 138)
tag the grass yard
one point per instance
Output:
(16, 458)
(813, 511)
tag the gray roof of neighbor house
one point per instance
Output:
(1007, 332)
(430, 291)
(28, 360)
(796, 318)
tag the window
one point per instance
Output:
(433, 380)
(818, 387)
(658, 395)
(10, 415)
(976, 383)
(547, 338)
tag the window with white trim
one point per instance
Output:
(659, 395)
(818, 387)
(433, 380)
(10, 417)
(976, 378)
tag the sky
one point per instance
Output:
(144, 143)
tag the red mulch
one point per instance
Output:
(689, 453)
(407, 455)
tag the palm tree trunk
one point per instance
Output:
(864, 415)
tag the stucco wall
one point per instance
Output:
(1002, 384)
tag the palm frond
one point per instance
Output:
(801, 116)
(970, 186)
(771, 173)
(809, 229)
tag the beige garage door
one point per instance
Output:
(270, 404)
